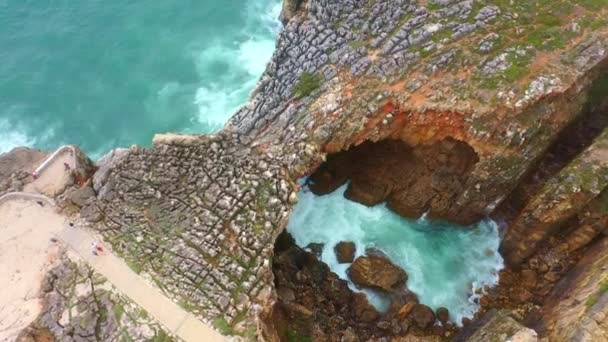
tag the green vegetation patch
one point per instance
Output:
(307, 84)
(443, 34)
(119, 310)
(591, 301)
(548, 39)
(222, 325)
(294, 336)
(161, 336)
(588, 22)
(593, 5)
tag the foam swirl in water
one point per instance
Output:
(446, 264)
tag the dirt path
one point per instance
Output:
(26, 254)
(30, 230)
(164, 310)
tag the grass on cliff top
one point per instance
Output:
(223, 326)
(307, 84)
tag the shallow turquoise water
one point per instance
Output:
(106, 73)
(445, 263)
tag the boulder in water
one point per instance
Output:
(443, 315)
(345, 252)
(422, 315)
(375, 271)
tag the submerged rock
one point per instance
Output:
(375, 271)
(345, 252)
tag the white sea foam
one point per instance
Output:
(445, 263)
(239, 64)
(12, 136)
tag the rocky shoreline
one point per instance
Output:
(476, 100)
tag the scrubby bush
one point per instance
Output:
(306, 85)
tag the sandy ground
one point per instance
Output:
(55, 177)
(26, 254)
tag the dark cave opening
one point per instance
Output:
(411, 180)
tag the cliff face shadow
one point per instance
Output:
(412, 180)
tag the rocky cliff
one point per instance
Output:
(496, 107)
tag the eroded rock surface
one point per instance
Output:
(16, 168)
(199, 214)
(80, 305)
(374, 271)
(202, 218)
(578, 306)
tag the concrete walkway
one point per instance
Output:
(164, 310)
(52, 175)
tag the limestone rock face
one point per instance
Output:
(345, 252)
(499, 326)
(105, 165)
(16, 167)
(20, 159)
(376, 272)
(289, 10)
(80, 305)
(578, 306)
(82, 196)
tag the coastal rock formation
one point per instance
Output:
(411, 180)
(202, 218)
(577, 308)
(16, 168)
(498, 325)
(468, 98)
(79, 305)
(313, 300)
(476, 91)
(373, 271)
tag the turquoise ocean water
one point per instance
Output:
(446, 264)
(107, 73)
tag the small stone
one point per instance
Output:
(349, 336)
(293, 198)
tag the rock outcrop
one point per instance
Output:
(16, 168)
(578, 306)
(377, 272)
(345, 252)
(202, 217)
(473, 92)
(80, 305)
(497, 326)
